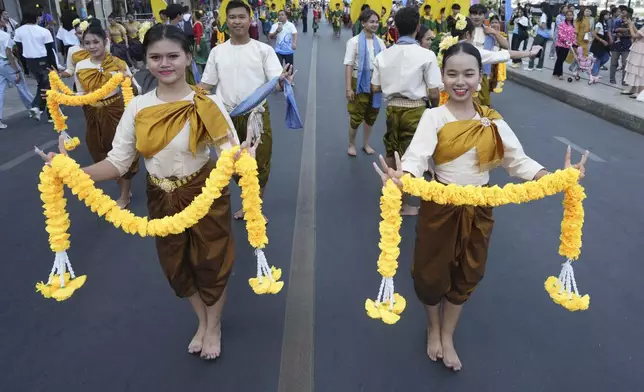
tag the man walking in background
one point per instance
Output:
(36, 44)
(305, 15)
(285, 35)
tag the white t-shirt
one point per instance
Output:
(33, 39)
(284, 39)
(599, 28)
(239, 70)
(5, 42)
(68, 37)
(523, 21)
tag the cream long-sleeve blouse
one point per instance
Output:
(175, 159)
(463, 170)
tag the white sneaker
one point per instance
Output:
(538, 69)
(3, 125)
(528, 69)
(35, 113)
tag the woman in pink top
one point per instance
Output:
(566, 36)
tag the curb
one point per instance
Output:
(606, 112)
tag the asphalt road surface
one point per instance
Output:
(125, 330)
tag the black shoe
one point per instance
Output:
(613, 81)
(624, 84)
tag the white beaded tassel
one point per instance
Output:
(567, 279)
(386, 292)
(61, 263)
(263, 270)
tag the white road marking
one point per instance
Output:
(22, 158)
(581, 150)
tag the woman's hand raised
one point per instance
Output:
(48, 157)
(581, 166)
(385, 172)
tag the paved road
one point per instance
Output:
(125, 331)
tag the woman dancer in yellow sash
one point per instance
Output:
(102, 117)
(465, 141)
(173, 127)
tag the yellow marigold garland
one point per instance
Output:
(563, 290)
(57, 84)
(64, 170)
(126, 88)
(444, 97)
(501, 77)
(60, 95)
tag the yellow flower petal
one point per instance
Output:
(63, 293)
(372, 310)
(275, 287)
(389, 317)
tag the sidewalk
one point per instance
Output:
(12, 103)
(601, 99)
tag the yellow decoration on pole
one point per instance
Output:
(378, 6)
(158, 5)
(563, 290)
(65, 171)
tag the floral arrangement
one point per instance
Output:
(461, 22)
(65, 171)
(446, 42)
(444, 97)
(501, 77)
(143, 30)
(126, 89)
(60, 94)
(563, 290)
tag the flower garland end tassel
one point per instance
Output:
(563, 290)
(61, 284)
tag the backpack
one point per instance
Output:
(187, 27)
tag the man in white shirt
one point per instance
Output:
(285, 35)
(237, 68)
(10, 73)
(36, 44)
(408, 76)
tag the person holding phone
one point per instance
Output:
(285, 35)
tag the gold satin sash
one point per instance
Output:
(80, 55)
(91, 79)
(156, 126)
(458, 137)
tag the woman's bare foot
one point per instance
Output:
(368, 150)
(239, 215)
(434, 345)
(408, 210)
(212, 343)
(450, 358)
(197, 341)
(123, 201)
(352, 151)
